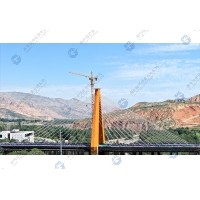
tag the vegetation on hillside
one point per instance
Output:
(53, 132)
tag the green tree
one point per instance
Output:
(24, 152)
(20, 152)
(36, 152)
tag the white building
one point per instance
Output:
(4, 134)
(18, 135)
(135, 138)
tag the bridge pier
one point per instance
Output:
(98, 134)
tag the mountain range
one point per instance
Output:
(153, 115)
(143, 115)
(15, 105)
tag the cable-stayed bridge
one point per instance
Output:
(108, 133)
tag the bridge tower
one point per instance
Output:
(98, 134)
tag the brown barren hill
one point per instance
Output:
(171, 113)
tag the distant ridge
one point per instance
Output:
(28, 106)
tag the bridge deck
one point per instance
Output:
(103, 149)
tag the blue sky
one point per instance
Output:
(122, 70)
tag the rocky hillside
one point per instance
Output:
(155, 115)
(171, 113)
(141, 116)
(195, 99)
(120, 120)
(15, 105)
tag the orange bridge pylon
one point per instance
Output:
(98, 134)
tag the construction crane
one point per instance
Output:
(92, 79)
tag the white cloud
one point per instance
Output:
(128, 72)
(173, 76)
(171, 68)
(171, 48)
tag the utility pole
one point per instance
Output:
(60, 143)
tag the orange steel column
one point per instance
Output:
(98, 135)
(102, 138)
